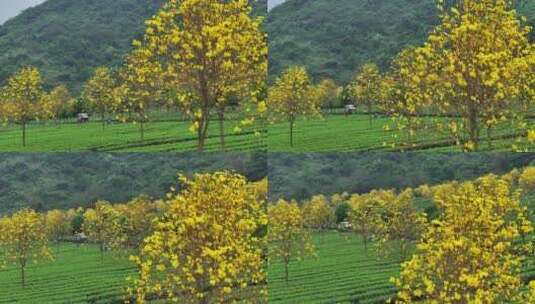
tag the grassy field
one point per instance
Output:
(75, 276)
(353, 133)
(343, 272)
(160, 136)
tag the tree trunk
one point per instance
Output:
(291, 132)
(24, 133)
(286, 275)
(409, 123)
(221, 115)
(103, 122)
(142, 130)
(23, 275)
(370, 114)
(202, 131)
(474, 128)
(489, 137)
(101, 252)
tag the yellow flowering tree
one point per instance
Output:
(101, 226)
(213, 52)
(292, 96)
(98, 92)
(401, 93)
(366, 87)
(527, 179)
(366, 214)
(135, 221)
(23, 100)
(318, 214)
(24, 240)
(58, 225)
(470, 253)
(403, 225)
(468, 62)
(206, 247)
(328, 94)
(57, 102)
(139, 89)
(288, 237)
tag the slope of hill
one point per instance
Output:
(334, 37)
(299, 177)
(64, 180)
(67, 39)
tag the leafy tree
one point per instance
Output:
(135, 220)
(212, 51)
(329, 94)
(99, 92)
(58, 225)
(101, 226)
(24, 240)
(468, 62)
(404, 224)
(58, 102)
(471, 253)
(23, 98)
(367, 214)
(204, 248)
(401, 96)
(140, 87)
(527, 179)
(342, 212)
(293, 95)
(366, 87)
(287, 236)
(317, 214)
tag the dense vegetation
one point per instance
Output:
(334, 38)
(67, 180)
(67, 40)
(301, 176)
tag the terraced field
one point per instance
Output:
(338, 133)
(160, 136)
(342, 273)
(76, 276)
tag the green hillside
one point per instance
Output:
(62, 180)
(300, 176)
(334, 37)
(68, 39)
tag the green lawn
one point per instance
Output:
(339, 133)
(75, 276)
(160, 136)
(343, 272)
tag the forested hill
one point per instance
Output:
(45, 181)
(67, 39)
(302, 176)
(334, 37)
